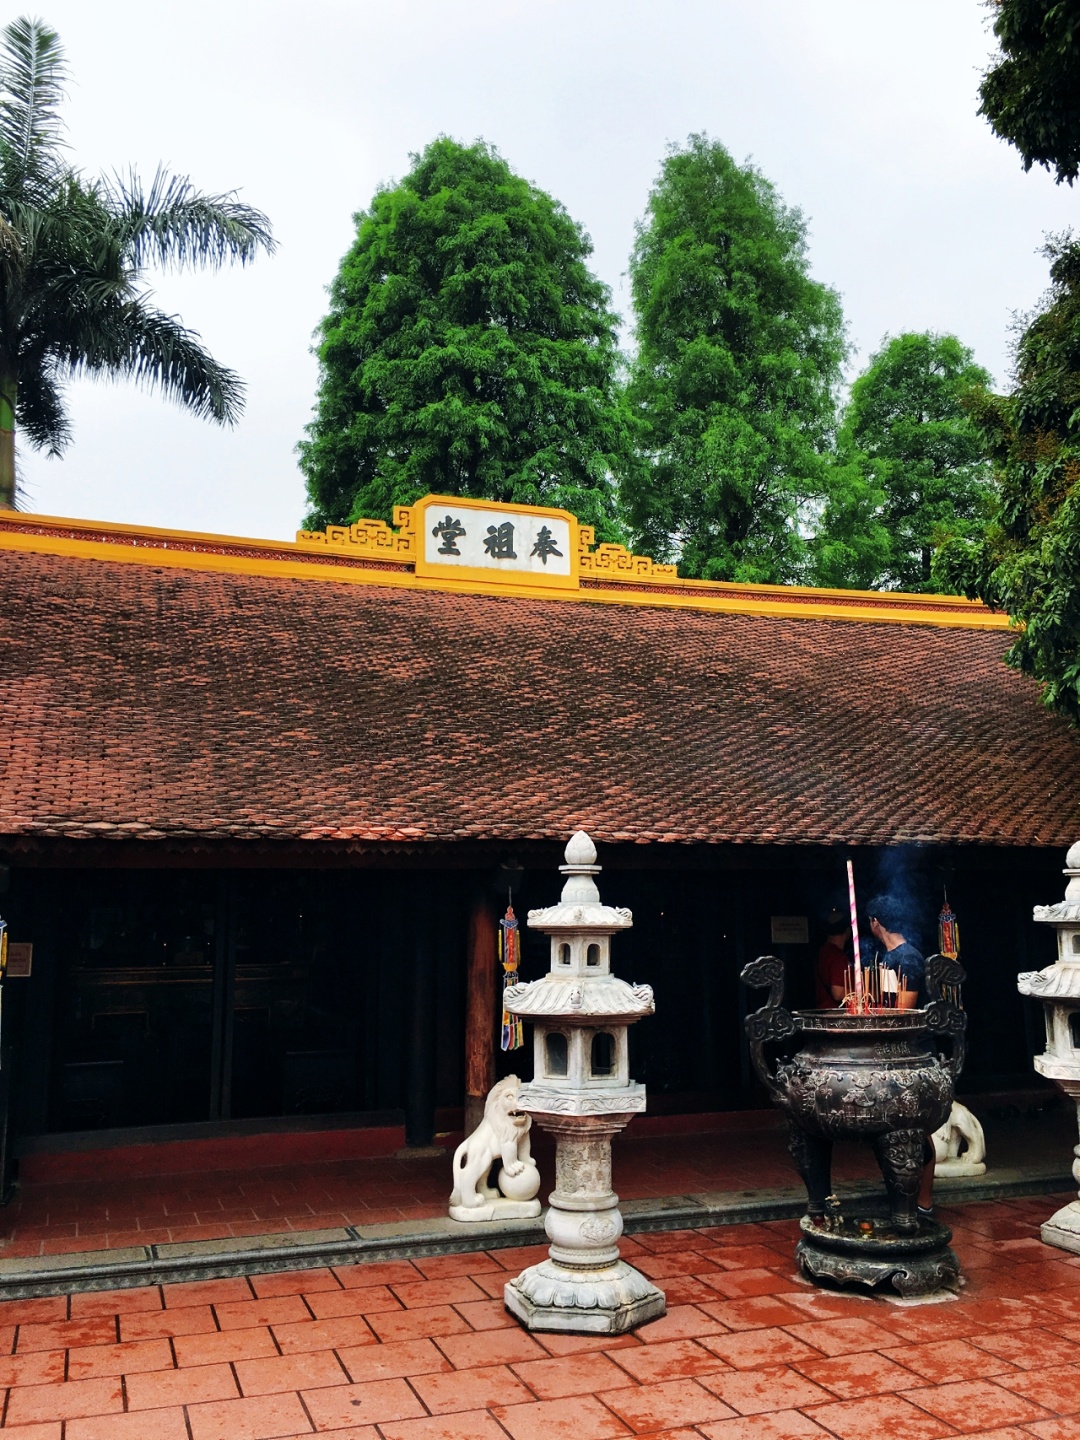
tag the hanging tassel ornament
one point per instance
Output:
(948, 931)
(513, 1028)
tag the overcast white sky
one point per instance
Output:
(862, 112)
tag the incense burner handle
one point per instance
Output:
(942, 1016)
(772, 1022)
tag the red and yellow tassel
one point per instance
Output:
(513, 1030)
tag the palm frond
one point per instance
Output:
(63, 307)
(174, 225)
(70, 229)
(56, 271)
(140, 343)
(32, 73)
(12, 249)
(40, 411)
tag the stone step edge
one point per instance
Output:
(31, 1277)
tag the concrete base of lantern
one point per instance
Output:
(584, 1287)
(607, 1301)
(1063, 1228)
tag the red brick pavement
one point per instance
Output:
(423, 1350)
(58, 1217)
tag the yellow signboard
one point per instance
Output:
(478, 540)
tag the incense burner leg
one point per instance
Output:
(583, 1287)
(813, 1160)
(900, 1155)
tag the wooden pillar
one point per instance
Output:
(481, 1009)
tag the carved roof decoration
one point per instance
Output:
(373, 538)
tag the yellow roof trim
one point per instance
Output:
(386, 557)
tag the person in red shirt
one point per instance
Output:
(832, 962)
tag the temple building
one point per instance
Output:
(263, 804)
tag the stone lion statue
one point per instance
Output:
(502, 1135)
(959, 1146)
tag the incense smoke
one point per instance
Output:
(899, 877)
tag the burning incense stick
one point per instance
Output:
(855, 939)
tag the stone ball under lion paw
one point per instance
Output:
(522, 1186)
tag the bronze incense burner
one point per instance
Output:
(882, 1077)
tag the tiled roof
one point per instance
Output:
(147, 702)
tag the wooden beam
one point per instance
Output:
(481, 1009)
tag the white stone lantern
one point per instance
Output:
(1058, 987)
(581, 1092)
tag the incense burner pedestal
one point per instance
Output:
(880, 1078)
(842, 1252)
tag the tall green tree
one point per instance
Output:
(911, 470)
(1027, 563)
(468, 350)
(1031, 94)
(732, 390)
(72, 252)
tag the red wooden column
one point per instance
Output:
(481, 1014)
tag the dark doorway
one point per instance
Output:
(191, 996)
(135, 1001)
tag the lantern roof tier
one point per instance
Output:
(580, 999)
(1056, 982)
(1062, 912)
(579, 908)
(587, 919)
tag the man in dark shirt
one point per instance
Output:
(900, 956)
(887, 925)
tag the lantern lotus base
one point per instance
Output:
(911, 1263)
(605, 1301)
(1063, 1228)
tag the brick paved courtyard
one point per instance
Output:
(119, 1209)
(423, 1350)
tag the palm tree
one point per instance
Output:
(72, 252)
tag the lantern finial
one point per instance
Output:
(580, 849)
(580, 867)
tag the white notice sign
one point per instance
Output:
(789, 929)
(494, 542)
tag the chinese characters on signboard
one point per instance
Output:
(493, 541)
